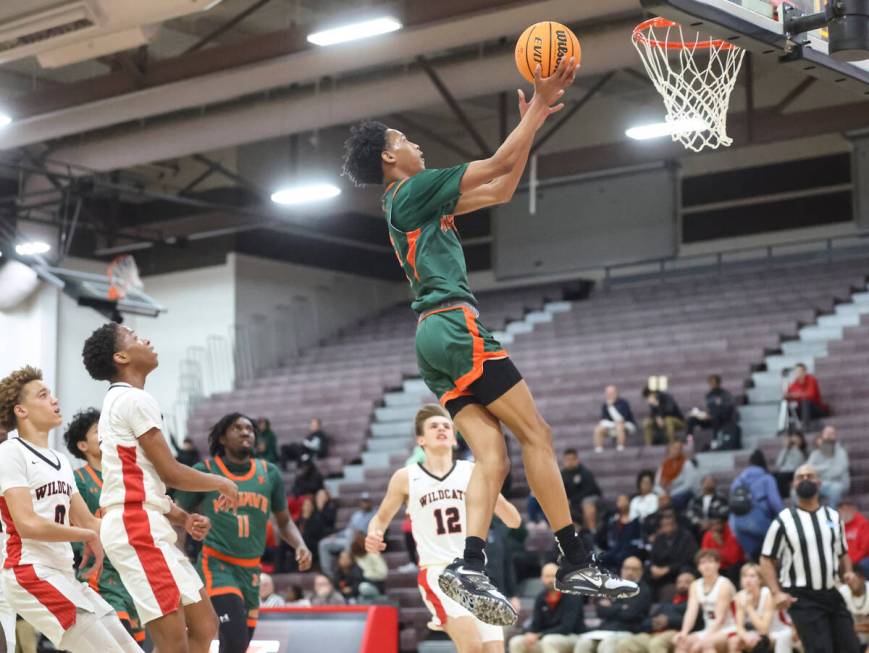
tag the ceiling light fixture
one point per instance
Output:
(32, 248)
(5, 120)
(669, 128)
(355, 31)
(305, 194)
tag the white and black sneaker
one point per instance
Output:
(473, 590)
(593, 580)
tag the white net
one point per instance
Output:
(123, 276)
(694, 77)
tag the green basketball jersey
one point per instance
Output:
(89, 482)
(260, 492)
(424, 235)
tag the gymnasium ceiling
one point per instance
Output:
(170, 150)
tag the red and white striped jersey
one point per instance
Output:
(128, 476)
(436, 506)
(48, 476)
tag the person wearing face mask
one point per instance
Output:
(803, 558)
(831, 462)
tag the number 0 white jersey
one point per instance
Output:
(436, 506)
(48, 476)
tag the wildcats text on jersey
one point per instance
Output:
(441, 495)
(52, 488)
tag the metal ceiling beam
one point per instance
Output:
(769, 128)
(454, 106)
(232, 176)
(428, 132)
(228, 25)
(794, 94)
(577, 105)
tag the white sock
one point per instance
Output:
(621, 447)
(598, 449)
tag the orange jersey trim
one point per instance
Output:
(92, 473)
(247, 475)
(223, 591)
(478, 357)
(412, 237)
(251, 623)
(207, 551)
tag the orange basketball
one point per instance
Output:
(546, 44)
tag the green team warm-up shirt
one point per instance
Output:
(260, 492)
(423, 233)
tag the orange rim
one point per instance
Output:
(640, 37)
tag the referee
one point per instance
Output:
(808, 545)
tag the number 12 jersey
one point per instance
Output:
(436, 506)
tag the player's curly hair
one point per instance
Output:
(219, 429)
(11, 391)
(362, 149)
(99, 350)
(78, 428)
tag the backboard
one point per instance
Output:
(90, 289)
(756, 25)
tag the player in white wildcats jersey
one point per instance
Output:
(136, 524)
(712, 596)
(434, 492)
(42, 512)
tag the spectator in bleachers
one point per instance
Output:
(581, 487)
(619, 619)
(701, 508)
(348, 576)
(534, 512)
(646, 501)
(337, 542)
(308, 480)
(663, 622)
(804, 395)
(312, 532)
(499, 559)
(720, 416)
(711, 595)
(267, 442)
(620, 535)
(665, 417)
(326, 508)
(556, 619)
(677, 476)
(757, 618)
(295, 597)
(856, 592)
(792, 456)
(672, 552)
(754, 503)
(188, 454)
(720, 538)
(831, 462)
(325, 593)
(857, 535)
(616, 420)
(314, 445)
(373, 566)
(268, 598)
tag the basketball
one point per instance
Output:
(545, 43)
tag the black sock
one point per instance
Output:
(572, 547)
(474, 552)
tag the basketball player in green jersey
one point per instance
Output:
(459, 359)
(230, 559)
(82, 441)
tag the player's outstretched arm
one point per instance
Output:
(290, 534)
(396, 496)
(182, 477)
(33, 527)
(507, 512)
(546, 92)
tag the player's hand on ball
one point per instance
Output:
(228, 499)
(197, 526)
(374, 542)
(304, 558)
(551, 88)
(93, 550)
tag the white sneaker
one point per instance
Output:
(620, 448)
(598, 449)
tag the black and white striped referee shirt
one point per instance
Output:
(807, 546)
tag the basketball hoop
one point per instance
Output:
(696, 92)
(123, 276)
